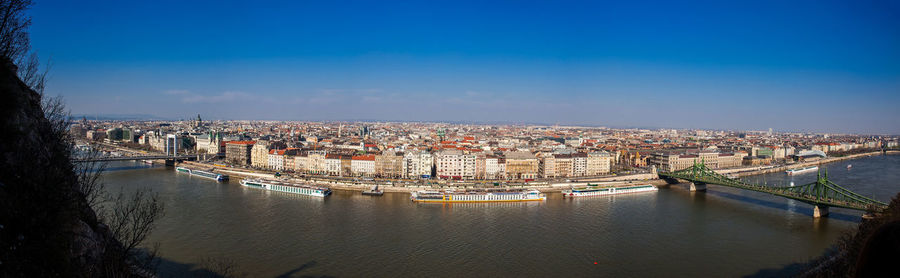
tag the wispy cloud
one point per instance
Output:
(176, 92)
(329, 96)
(350, 91)
(223, 97)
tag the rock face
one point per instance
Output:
(46, 227)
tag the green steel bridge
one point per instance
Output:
(144, 157)
(822, 193)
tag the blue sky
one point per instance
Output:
(829, 66)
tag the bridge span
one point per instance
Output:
(146, 157)
(821, 194)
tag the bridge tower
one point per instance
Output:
(698, 186)
(172, 142)
(820, 211)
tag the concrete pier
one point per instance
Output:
(820, 211)
(696, 186)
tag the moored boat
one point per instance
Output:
(600, 191)
(375, 191)
(287, 187)
(182, 170)
(201, 173)
(209, 175)
(477, 196)
(792, 172)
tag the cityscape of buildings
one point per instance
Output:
(467, 151)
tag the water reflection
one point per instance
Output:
(283, 195)
(606, 199)
(483, 205)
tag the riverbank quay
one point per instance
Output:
(352, 184)
(356, 184)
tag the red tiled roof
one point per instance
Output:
(241, 142)
(364, 157)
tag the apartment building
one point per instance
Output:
(333, 165)
(454, 164)
(363, 165)
(713, 160)
(389, 165)
(521, 165)
(418, 164)
(494, 167)
(238, 152)
(315, 163)
(598, 163)
(259, 154)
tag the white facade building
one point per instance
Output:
(494, 167)
(417, 164)
(597, 163)
(276, 160)
(363, 165)
(454, 164)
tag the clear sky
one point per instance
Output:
(829, 66)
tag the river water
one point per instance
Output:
(672, 232)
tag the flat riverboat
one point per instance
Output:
(375, 191)
(203, 174)
(600, 191)
(792, 172)
(477, 196)
(287, 187)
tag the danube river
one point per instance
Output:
(672, 232)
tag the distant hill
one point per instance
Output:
(118, 117)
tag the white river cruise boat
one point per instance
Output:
(792, 172)
(600, 191)
(201, 173)
(280, 186)
(477, 196)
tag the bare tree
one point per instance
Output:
(15, 43)
(32, 74)
(88, 175)
(131, 218)
(14, 23)
(89, 171)
(220, 267)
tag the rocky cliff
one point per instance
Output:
(46, 226)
